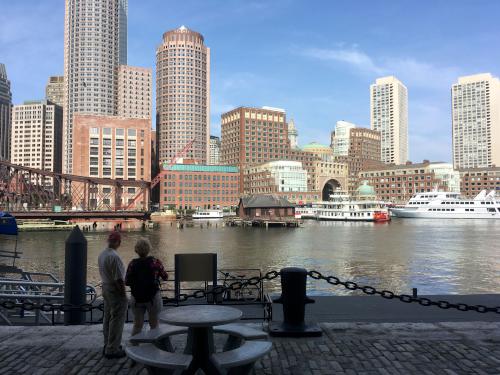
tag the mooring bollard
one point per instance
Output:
(75, 275)
(294, 300)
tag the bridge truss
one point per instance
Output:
(25, 188)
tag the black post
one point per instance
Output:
(294, 300)
(75, 275)
(414, 293)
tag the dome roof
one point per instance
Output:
(316, 146)
(365, 189)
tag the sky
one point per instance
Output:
(314, 59)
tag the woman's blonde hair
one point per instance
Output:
(142, 247)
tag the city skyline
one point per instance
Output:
(318, 68)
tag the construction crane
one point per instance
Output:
(166, 169)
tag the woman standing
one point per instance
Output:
(143, 277)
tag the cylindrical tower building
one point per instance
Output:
(183, 95)
(94, 37)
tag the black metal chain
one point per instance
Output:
(86, 307)
(406, 298)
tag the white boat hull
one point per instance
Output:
(405, 213)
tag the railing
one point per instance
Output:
(23, 303)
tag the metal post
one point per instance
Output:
(414, 292)
(294, 299)
(75, 275)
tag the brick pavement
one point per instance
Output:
(345, 348)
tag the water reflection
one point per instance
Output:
(436, 256)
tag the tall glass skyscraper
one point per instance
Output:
(95, 40)
(5, 113)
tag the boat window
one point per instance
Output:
(491, 209)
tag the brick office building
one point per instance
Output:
(252, 136)
(113, 147)
(191, 186)
(397, 183)
(473, 180)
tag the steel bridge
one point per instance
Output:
(25, 189)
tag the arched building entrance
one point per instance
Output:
(329, 187)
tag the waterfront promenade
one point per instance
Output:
(344, 348)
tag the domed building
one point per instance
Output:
(323, 151)
(365, 191)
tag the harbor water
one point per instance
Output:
(435, 256)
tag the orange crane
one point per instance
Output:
(158, 177)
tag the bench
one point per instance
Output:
(158, 361)
(240, 361)
(237, 333)
(158, 336)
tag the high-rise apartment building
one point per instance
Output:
(134, 92)
(341, 138)
(214, 150)
(183, 95)
(476, 121)
(36, 139)
(389, 116)
(5, 113)
(54, 91)
(94, 46)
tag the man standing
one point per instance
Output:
(112, 273)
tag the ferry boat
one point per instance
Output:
(446, 205)
(208, 214)
(342, 207)
(306, 212)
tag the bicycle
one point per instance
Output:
(248, 293)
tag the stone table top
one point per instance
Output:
(200, 315)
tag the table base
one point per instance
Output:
(200, 344)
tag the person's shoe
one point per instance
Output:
(120, 353)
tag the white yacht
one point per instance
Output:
(445, 205)
(364, 208)
(208, 214)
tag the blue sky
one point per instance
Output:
(314, 59)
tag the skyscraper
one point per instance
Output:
(389, 115)
(94, 45)
(37, 135)
(183, 95)
(5, 113)
(214, 158)
(476, 121)
(54, 91)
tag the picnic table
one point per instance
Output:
(200, 320)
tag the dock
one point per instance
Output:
(263, 222)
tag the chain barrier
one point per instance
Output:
(86, 307)
(271, 275)
(406, 298)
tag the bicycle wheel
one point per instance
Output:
(250, 293)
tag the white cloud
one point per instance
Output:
(352, 56)
(407, 69)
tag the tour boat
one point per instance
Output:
(342, 208)
(208, 214)
(305, 212)
(446, 205)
